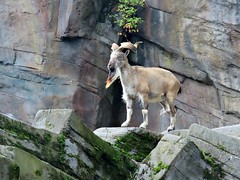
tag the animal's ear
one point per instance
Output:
(127, 52)
(114, 47)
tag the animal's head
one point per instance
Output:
(118, 59)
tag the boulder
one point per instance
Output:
(60, 138)
(197, 153)
(9, 169)
(27, 166)
(54, 55)
(222, 148)
(233, 130)
(136, 143)
(173, 158)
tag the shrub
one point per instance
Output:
(127, 15)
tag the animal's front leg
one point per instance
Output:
(129, 112)
(144, 99)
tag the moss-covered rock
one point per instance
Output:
(71, 147)
(27, 166)
(9, 169)
(137, 144)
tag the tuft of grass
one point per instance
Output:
(160, 167)
(216, 171)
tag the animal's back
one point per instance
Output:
(155, 73)
(157, 79)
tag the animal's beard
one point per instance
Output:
(112, 76)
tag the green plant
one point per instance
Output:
(38, 173)
(127, 17)
(216, 171)
(160, 167)
(61, 147)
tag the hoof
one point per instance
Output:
(124, 124)
(144, 126)
(170, 128)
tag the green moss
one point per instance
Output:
(18, 129)
(47, 153)
(160, 167)
(47, 138)
(216, 171)
(219, 146)
(61, 147)
(14, 171)
(136, 146)
(38, 173)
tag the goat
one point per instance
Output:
(149, 84)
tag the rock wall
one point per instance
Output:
(54, 55)
(199, 41)
(197, 153)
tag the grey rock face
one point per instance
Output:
(222, 147)
(54, 55)
(39, 71)
(27, 166)
(9, 169)
(68, 145)
(201, 154)
(199, 41)
(112, 134)
(59, 146)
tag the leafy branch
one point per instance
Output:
(127, 15)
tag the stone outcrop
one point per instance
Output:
(222, 147)
(54, 55)
(59, 145)
(27, 166)
(134, 142)
(197, 153)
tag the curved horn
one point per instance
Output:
(114, 47)
(129, 45)
(137, 43)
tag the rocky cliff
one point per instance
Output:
(60, 146)
(54, 55)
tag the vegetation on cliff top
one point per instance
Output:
(127, 17)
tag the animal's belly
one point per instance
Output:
(154, 98)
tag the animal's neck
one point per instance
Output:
(127, 76)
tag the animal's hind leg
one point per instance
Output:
(172, 114)
(144, 100)
(166, 107)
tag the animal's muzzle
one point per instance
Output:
(111, 70)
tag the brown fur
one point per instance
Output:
(149, 84)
